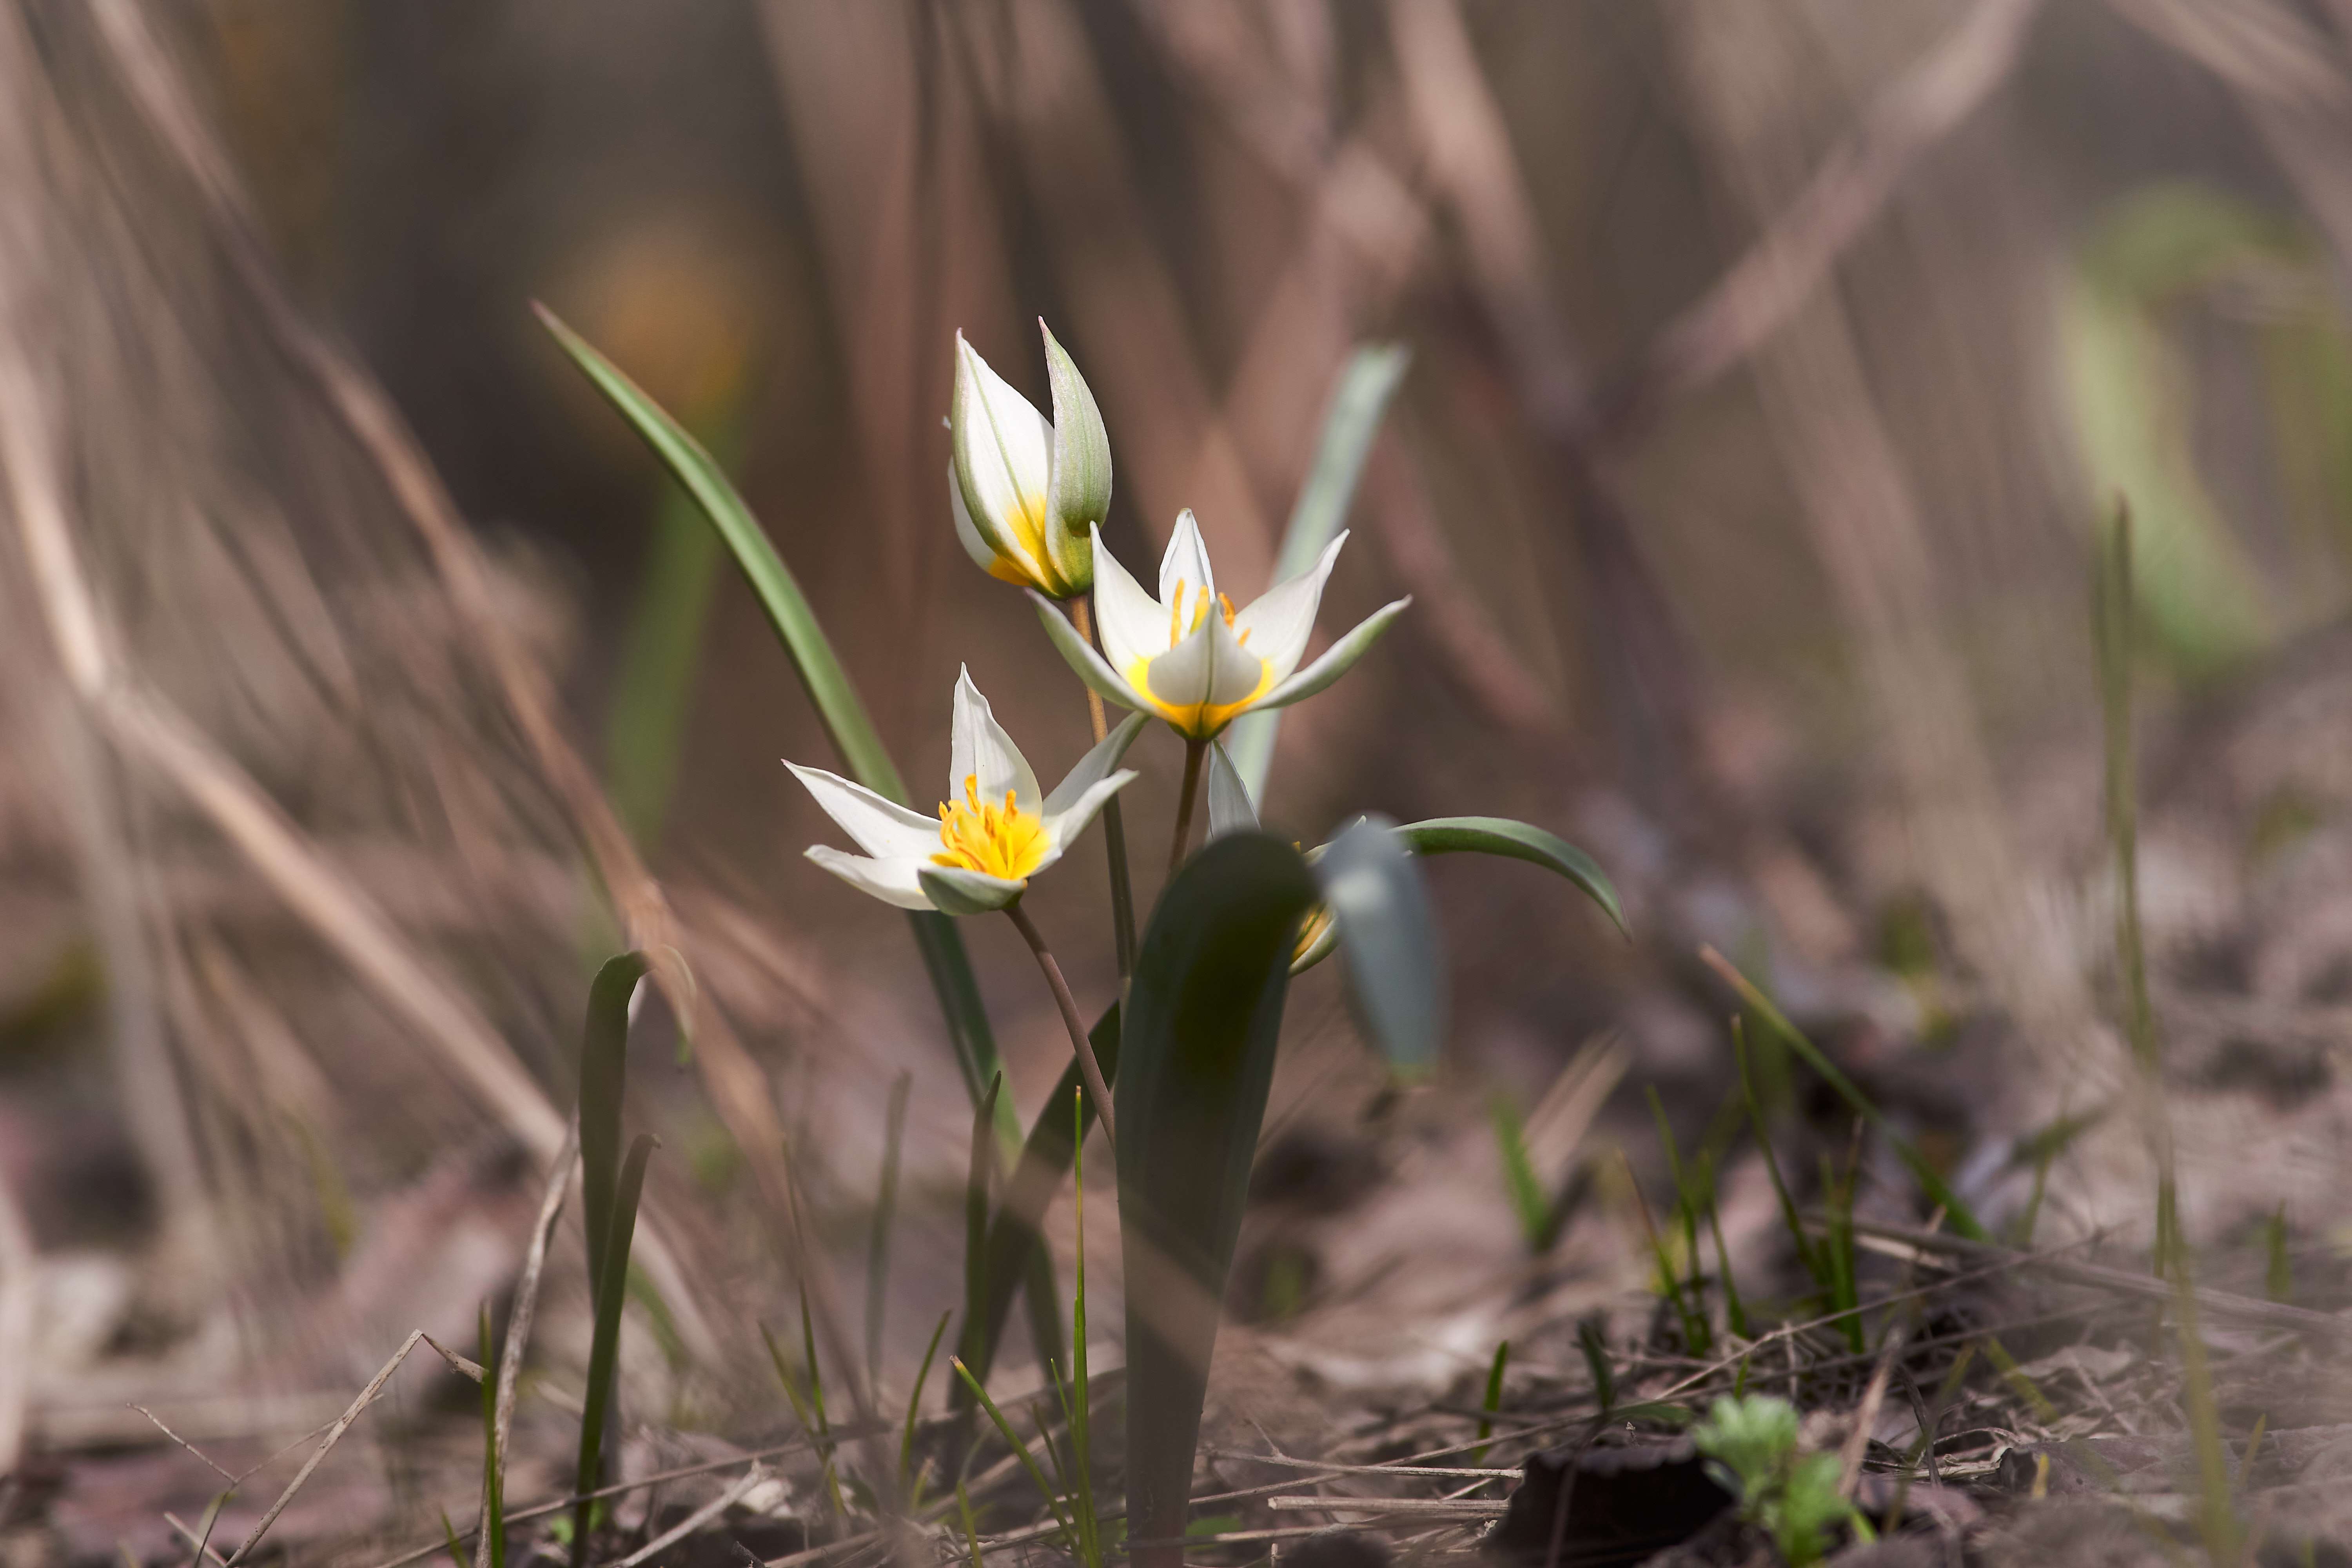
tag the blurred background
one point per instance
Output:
(1772, 365)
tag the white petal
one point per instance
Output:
(981, 751)
(1279, 620)
(882, 827)
(1094, 765)
(1336, 659)
(1187, 562)
(1071, 821)
(953, 891)
(1230, 807)
(892, 881)
(1208, 670)
(1081, 657)
(982, 555)
(1133, 625)
(1004, 451)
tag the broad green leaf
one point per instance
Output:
(1358, 400)
(604, 1052)
(820, 671)
(1202, 1017)
(1396, 968)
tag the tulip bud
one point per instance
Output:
(1027, 494)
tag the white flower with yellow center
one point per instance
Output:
(991, 834)
(1025, 493)
(1193, 659)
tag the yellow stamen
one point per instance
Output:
(996, 840)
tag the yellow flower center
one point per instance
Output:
(994, 840)
(1179, 627)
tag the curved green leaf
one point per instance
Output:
(604, 1343)
(1517, 841)
(820, 671)
(1203, 1012)
(1396, 972)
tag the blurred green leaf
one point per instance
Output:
(821, 672)
(2133, 397)
(1202, 1017)
(1359, 399)
(1396, 966)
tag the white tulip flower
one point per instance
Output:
(992, 834)
(1193, 659)
(1026, 493)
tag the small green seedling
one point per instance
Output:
(1752, 1445)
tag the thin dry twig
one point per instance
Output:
(1454, 1508)
(734, 1494)
(1866, 1416)
(335, 1435)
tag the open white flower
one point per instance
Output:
(1025, 493)
(992, 834)
(1193, 659)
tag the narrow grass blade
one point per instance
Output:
(1013, 1251)
(603, 1056)
(1359, 399)
(1202, 1017)
(819, 668)
(1799, 1237)
(605, 1344)
(494, 1507)
(915, 1408)
(885, 1211)
(1494, 1400)
(979, 1185)
(1529, 1202)
(1695, 1334)
(1956, 1212)
(1020, 1450)
(2278, 1266)
(1396, 966)
(1597, 1362)
(661, 654)
(1735, 1310)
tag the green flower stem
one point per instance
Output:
(1193, 752)
(1088, 1069)
(1114, 826)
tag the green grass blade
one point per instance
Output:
(1799, 1236)
(1595, 1346)
(886, 1213)
(1358, 400)
(1735, 1312)
(604, 1054)
(494, 1507)
(1529, 1202)
(1020, 1449)
(2278, 1266)
(661, 654)
(604, 1345)
(1494, 1400)
(1956, 1212)
(1202, 1017)
(1014, 1250)
(915, 1406)
(819, 668)
(1388, 932)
